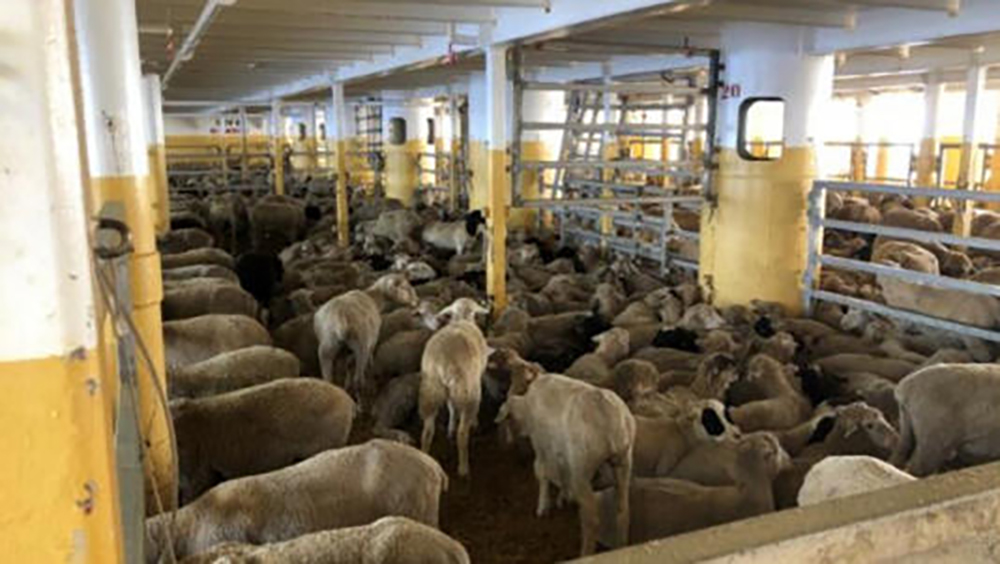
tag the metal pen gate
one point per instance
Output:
(635, 161)
(947, 287)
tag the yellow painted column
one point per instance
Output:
(401, 164)
(993, 185)
(338, 131)
(157, 150)
(58, 487)
(754, 235)
(121, 188)
(497, 112)
(882, 160)
(975, 90)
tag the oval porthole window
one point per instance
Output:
(762, 129)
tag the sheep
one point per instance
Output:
(595, 368)
(183, 240)
(395, 404)
(260, 274)
(199, 271)
(906, 255)
(889, 368)
(701, 318)
(660, 443)
(276, 221)
(231, 371)
(400, 354)
(298, 337)
(635, 313)
(841, 476)
(390, 540)
(574, 428)
(784, 406)
(352, 321)
(607, 301)
(321, 418)
(451, 373)
(203, 256)
(397, 225)
(200, 338)
(715, 374)
(456, 235)
(337, 488)
(207, 298)
(946, 411)
(634, 378)
(954, 305)
(662, 507)
(855, 428)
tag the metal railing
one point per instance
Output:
(625, 203)
(817, 260)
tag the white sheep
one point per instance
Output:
(232, 371)
(948, 411)
(574, 428)
(199, 271)
(841, 476)
(352, 321)
(253, 430)
(390, 540)
(337, 488)
(452, 369)
(596, 367)
(455, 235)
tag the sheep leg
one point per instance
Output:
(451, 420)
(589, 519)
(929, 456)
(623, 473)
(904, 447)
(328, 352)
(466, 417)
(544, 497)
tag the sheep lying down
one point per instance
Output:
(841, 476)
(337, 488)
(390, 540)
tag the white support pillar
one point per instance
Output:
(60, 496)
(115, 118)
(478, 154)
(336, 131)
(927, 159)
(764, 201)
(975, 90)
(156, 142)
(497, 116)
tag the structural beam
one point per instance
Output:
(278, 147)
(121, 189)
(497, 113)
(337, 131)
(927, 158)
(975, 91)
(156, 142)
(60, 493)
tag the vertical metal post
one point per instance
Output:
(814, 244)
(712, 99)
(244, 161)
(517, 119)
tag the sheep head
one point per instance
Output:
(506, 365)
(462, 309)
(396, 288)
(761, 452)
(715, 374)
(709, 422)
(613, 345)
(864, 428)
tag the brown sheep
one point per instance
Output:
(252, 430)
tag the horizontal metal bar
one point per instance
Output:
(633, 87)
(912, 317)
(625, 165)
(918, 191)
(913, 234)
(597, 202)
(607, 127)
(636, 107)
(911, 276)
(868, 144)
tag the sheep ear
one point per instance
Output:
(508, 409)
(489, 351)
